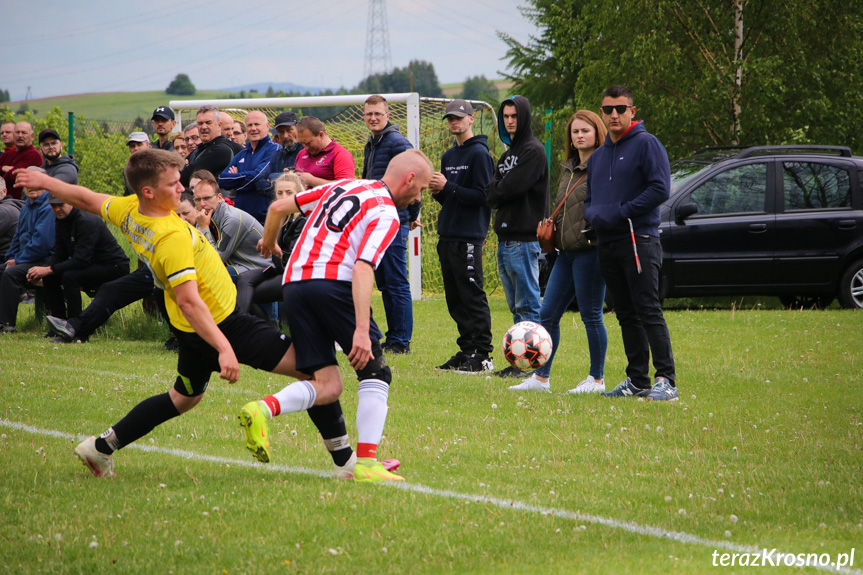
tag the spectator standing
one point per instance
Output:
(178, 140)
(214, 153)
(248, 173)
(283, 159)
(462, 226)
(23, 155)
(628, 178)
(576, 269)
(57, 164)
(322, 160)
(391, 276)
(519, 192)
(163, 124)
(238, 134)
(226, 123)
(192, 137)
(7, 135)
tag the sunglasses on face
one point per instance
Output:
(619, 108)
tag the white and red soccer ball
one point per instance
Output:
(527, 346)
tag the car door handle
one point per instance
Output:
(757, 228)
(847, 224)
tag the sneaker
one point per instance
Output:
(97, 462)
(172, 344)
(253, 419)
(663, 391)
(368, 470)
(626, 389)
(396, 347)
(454, 362)
(7, 328)
(589, 385)
(532, 384)
(346, 471)
(510, 372)
(476, 363)
(62, 328)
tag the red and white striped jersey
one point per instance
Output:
(349, 220)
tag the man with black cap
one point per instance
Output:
(86, 255)
(163, 124)
(284, 158)
(462, 227)
(57, 164)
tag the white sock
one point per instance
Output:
(298, 396)
(371, 410)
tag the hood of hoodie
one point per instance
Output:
(64, 159)
(522, 130)
(390, 127)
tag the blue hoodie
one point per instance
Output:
(254, 192)
(627, 179)
(33, 242)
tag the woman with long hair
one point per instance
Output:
(575, 274)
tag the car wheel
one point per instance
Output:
(806, 302)
(851, 286)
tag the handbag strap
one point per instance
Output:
(566, 197)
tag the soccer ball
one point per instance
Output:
(527, 345)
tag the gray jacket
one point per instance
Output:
(236, 238)
(64, 169)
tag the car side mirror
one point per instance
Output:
(684, 211)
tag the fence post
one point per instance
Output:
(71, 146)
(548, 112)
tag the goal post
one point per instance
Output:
(420, 120)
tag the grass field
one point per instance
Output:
(763, 450)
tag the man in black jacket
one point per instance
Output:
(462, 226)
(86, 255)
(519, 192)
(214, 153)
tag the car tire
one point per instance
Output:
(851, 286)
(806, 302)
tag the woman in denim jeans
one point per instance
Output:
(575, 274)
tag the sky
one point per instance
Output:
(82, 46)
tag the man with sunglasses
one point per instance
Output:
(628, 178)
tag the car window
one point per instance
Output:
(737, 190)
(812, 186)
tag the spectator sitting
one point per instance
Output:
(234, 233)
(163, 124)
(239, 133)
(86, 255)
(23, 155)
(248, 172)
(226, 123)
(186, 209)
(192, 138)
(31, 246)
(57, 164)
(322, 159)
(282, 161)
(214, 153)
(265, 285)
(178, 140)
(10, 210)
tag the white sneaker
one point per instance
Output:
(346, 471)
(100, 464)
(532, 384)
(589, 385)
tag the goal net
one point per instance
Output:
(420, 120)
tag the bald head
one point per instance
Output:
(23, 135)
(257, 127)
(407, 175)
(227, 125)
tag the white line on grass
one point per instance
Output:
(510, 504)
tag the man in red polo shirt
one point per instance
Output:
(22, 156)
(322, 160)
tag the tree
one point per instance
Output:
(425, 81)
(479, 88)
(181, 86)
(4, 96)
(270, 92)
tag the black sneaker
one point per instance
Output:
(396, 347)
(62, 328)
(511, 371)
(172, 344)
(627, 389)
(7, 328)
(453, 362)
(476, 364)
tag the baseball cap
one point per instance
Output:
(163, 112)
(137, 137)
(55, 200)
(45, 134)
(286, 119)
(459, 109)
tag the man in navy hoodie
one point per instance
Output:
(462, 225)
(628, 178)
(519, 192)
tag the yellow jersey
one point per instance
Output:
(175, 253)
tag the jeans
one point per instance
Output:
(518, 266)
(636, 303)
(391, 277)
(576, 275)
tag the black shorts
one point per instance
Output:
(321, 312)
(256, 343)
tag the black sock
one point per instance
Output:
(330, 422)
(143, 418)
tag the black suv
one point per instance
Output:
(766, 220)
